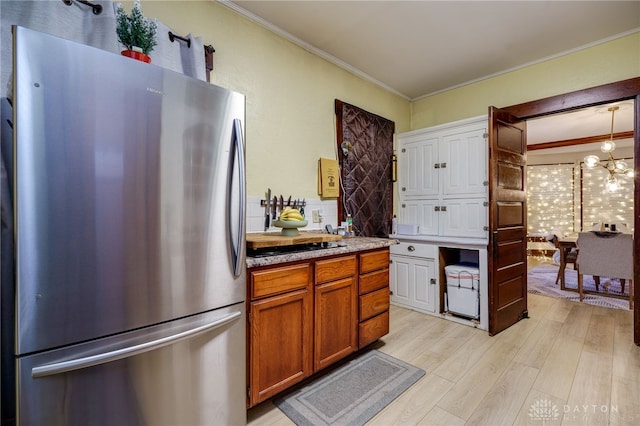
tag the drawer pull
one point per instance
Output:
(411, 248)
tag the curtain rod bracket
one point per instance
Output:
(173, 36)
(208, 59)
(96, 8)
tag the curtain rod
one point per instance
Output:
(173, 36)
(96, 8)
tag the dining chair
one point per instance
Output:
(605, 255)
(570, 255)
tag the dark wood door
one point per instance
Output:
(508, 220)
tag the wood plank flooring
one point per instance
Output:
(568, 364)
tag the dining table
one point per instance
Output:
(565, 245)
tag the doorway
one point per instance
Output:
(613, 92)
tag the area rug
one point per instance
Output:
(351, 394)
(542, 278)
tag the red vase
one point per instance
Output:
(136, 55)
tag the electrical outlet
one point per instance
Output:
(317, 216)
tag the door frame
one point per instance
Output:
(607, 93)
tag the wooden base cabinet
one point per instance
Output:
(373, 293)
(306, 316)
(280, 329)
(336, 310)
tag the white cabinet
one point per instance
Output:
(443, 179)
(418, 281)
(412, 277)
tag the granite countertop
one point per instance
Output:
(350, 245)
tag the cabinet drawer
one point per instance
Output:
(279, 280)
(373, 303)
(371, 330)
(374, 260)
(374, 281)
(414, 249)
(334, 269)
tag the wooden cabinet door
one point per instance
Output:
(280, 343)
(336, 321)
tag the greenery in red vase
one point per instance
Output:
(135, 30)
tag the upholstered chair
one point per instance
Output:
(605, 255)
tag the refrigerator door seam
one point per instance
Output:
(103, 358)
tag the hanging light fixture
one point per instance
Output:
(614, 167)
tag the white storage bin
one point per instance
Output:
(463, 290)
(408, 229)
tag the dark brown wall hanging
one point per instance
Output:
(365, 149)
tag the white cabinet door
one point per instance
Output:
(465, 217)
(412, 283)
(463, 163)
(418, 175)
(423, 213)
(399, 281)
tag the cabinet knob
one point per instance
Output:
(485, 228)
(485, 183)
(436, 208)
(433, 281)
(443, 165)
(404, 188)
(485, 204)
(411, 248)
(436, 166)
(404, 205)
(443, 208)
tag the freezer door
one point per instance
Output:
(190, 372)
(130, 193)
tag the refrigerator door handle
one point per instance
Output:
(238, 245)
(103, 358)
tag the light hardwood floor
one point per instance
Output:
(567, 364)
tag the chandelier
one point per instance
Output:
(614, 167)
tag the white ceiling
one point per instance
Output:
(418, 48)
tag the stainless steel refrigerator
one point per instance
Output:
(129, 206)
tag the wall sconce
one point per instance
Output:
(614, 167)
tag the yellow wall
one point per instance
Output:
(290, 120)
(290, 92)
(601, 64)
